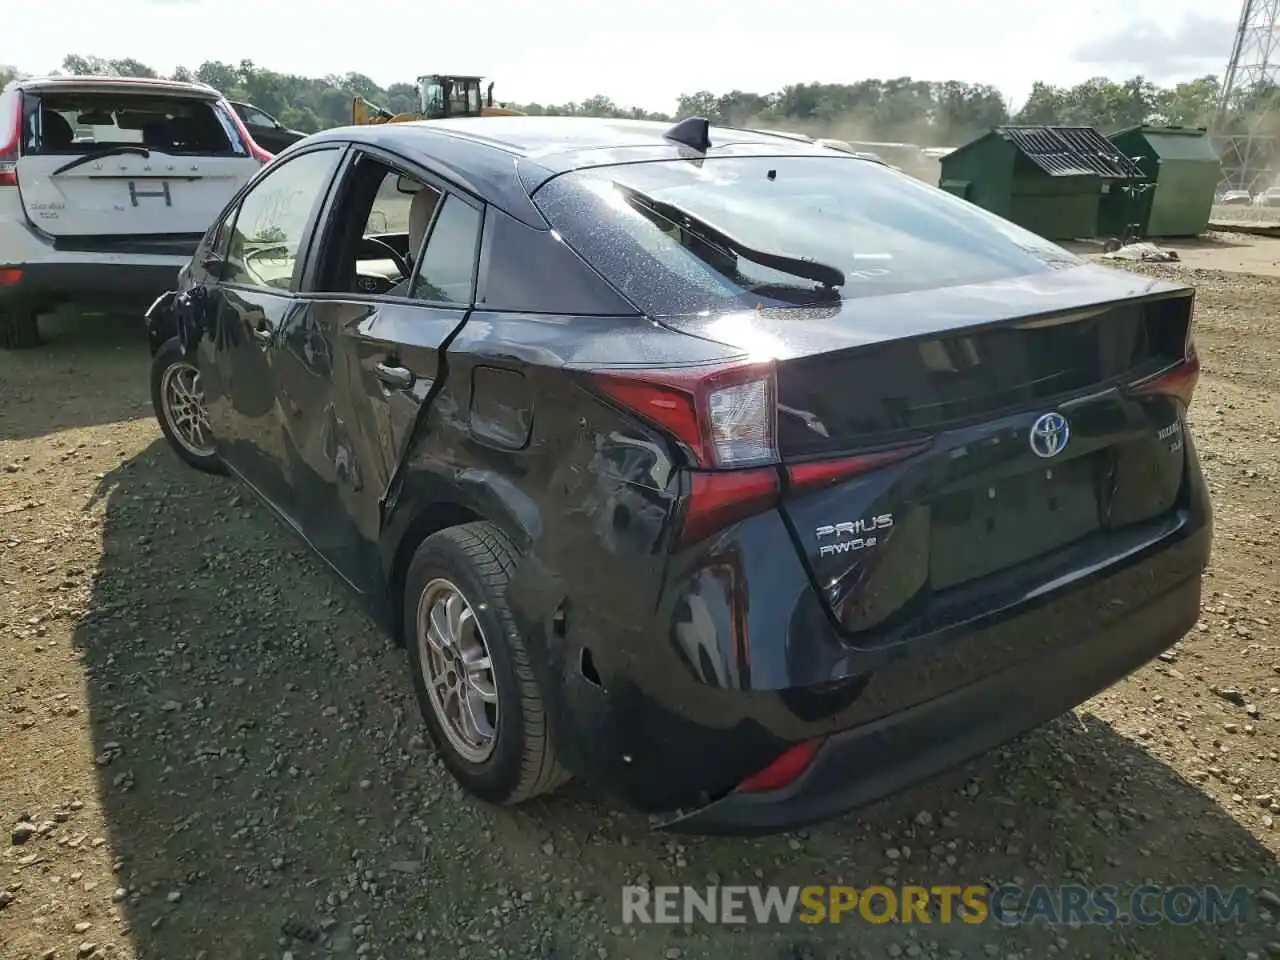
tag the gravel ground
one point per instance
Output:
(207, 752)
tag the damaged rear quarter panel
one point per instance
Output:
(586, 498)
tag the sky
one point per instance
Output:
(644, 54)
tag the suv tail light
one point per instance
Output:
(10, 139)
(262, 156)
(726, 420)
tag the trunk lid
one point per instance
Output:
(1007, 402)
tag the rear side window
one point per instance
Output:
(72, 122)
(734, 233)
(447, 271)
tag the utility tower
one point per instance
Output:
(1247, 143)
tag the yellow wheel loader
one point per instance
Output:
(439, 96)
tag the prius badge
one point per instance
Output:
(1049, 435)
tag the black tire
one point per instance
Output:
(170, 355)
(478, 559)
(19, 328)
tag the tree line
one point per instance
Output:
(900, 109)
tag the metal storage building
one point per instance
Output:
(1047, 179)
(1183, 170)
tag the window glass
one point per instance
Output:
(432, 97)
(255, 117)
(274, 216)
(80, 121)
(731, 233)
(220, 235)
(447, 271)
(391, 205)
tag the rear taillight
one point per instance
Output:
(726, 420)
(725, 417)
(10, 141)
(255, 151)
(1179, 380)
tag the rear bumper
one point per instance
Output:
(870, 762)
(81, 277)
(673, 740)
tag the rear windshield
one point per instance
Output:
(81, 122)
(679, 237)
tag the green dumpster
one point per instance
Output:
(1049, 180)
(1183, 170)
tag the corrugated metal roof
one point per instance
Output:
(1071, 152)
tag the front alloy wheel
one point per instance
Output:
(182, 398)
(178, 400)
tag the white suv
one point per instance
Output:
(106, 186)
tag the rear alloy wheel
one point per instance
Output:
(457, 670)
(177, 398)
(471, 668)
(19, 328)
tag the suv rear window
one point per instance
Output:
(678, 237)
(74, 122)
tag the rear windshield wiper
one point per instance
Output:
(118, 149)
(795, 294)
(803, 267)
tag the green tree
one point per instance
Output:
(945, 113)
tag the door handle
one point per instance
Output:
(262, 334)
(395, 376)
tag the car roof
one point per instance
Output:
(121, 84)
(502, 160)
(540, 136)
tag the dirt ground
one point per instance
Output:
(1235, 252)
(221, 758)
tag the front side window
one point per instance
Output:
(446, 273)
(737, 232)
(274, 217)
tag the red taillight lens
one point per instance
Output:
(10, 141)
(255, 151)
(726, 417)
(10, 276)
(817, 474)
(717, 499)
(785, 770)
(1178, 381)
(262, 156)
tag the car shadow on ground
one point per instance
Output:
(267, 789)
(105, 346)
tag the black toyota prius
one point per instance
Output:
(742, 479)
